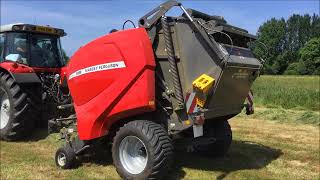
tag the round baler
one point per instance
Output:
(139, 90)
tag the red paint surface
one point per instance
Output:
(14, 67)
(103, 97)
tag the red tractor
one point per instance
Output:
(31, 76)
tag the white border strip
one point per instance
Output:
(99, 67)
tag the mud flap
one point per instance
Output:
(197, 131)
(198, 125)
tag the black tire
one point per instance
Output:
(70, 157)
(21, 122)
(158, 148)
(221, 131)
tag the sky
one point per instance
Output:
(86, 20)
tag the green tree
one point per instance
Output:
(298, 32)
(284, 40)
(310, 56)
(296, 68)
(315, 26)
(272, 34)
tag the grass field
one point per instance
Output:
(261, 150)
(287, 99)
(280, 141)
(288, 92)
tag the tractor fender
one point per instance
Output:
(20, 77)
(26, 78)
(20, 73)
(3, 70)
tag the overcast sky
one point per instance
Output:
(87, 20)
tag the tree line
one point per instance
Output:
(291, 46)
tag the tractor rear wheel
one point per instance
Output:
(221, 131)
(142, 150)
(15, 111)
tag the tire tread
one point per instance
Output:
(157, 137)
(21, 121)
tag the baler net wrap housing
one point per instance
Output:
(233, 74)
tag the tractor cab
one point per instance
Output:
(32, 78)
(31, 45)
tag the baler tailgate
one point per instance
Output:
(231, 91)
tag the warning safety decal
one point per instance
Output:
(99, 67)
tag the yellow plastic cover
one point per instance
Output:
(202, 86)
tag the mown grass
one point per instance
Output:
(260, 150)
(286, 115)
(288, 92)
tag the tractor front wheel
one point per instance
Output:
(142, 150)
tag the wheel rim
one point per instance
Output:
(133, 154)
(62, 159)
(5, 108)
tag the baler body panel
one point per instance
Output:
(233, 79)
(111, 78)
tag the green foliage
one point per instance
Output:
(296, 68)
(272, 28)
(310, 56)
(289, 92)
(284, 41)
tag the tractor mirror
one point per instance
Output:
(14, 57)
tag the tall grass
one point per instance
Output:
(288, 92)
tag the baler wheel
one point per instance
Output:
(16, 115)
(221, 131)
(142, 150)
(65, 157)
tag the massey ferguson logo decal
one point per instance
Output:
(99, 67)
(241, 74)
